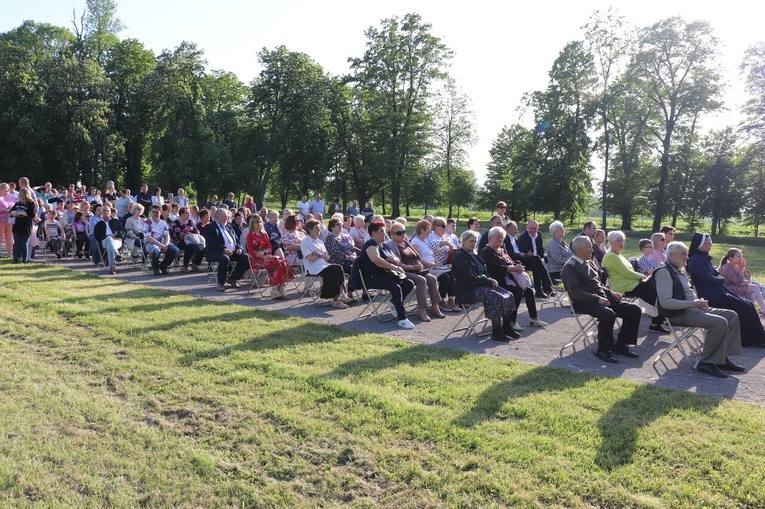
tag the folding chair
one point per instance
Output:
(255, 275)
(559, 297)
(472, 322)
(683, 334)
(377, 298)
(588, 329)
(310, 289)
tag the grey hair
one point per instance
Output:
(359, 218)
(556, 226)
(616, 234)
(467, 234)
(580, 242)
(497, 231)
(675, 247)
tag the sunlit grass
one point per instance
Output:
(120, 395)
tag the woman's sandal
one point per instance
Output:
(339, 305)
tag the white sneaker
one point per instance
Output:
(405, 324)
(537, 322)
(517, 328)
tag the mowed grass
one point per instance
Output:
(117, 395)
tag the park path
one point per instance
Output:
(541, 347)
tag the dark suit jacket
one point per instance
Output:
(215, 241)
(99, 230)
(509, 248)
(524, 243)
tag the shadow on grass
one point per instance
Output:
(302, 333)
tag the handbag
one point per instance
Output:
(397, 276)
(520, 279)
(194, 239)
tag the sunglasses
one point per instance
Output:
(503, 208)
(398, 233)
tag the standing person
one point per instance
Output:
(23, 213)
(304, 208)
(6, 227)
(582, 280)
(229, 202)
(180, 198)
(336, 207)
(317, 206)
(157, 198)
(353, 209)
(368, 212)
(110, 194)
(669, 233)
(123, 202)
(501, 209)
(678, 301)
(143, 197)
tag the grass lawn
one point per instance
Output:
(117, 395)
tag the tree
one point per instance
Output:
(510, 173)
(674, 69)
(722, 194)
(288, 108)
(401, 62)
(454, 134)
(563, 115)
(607, 42)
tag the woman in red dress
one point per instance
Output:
(261, 257)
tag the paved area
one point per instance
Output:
(537, 346)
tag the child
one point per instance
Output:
(80, 228)
(646, 263)
(54, 233)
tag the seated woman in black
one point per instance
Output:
(709, 286)
(501, 267)
(380, 270)
(473, 283)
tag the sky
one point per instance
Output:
(501, 49)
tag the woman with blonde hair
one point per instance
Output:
(260, 251)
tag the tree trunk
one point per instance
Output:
(664, 172)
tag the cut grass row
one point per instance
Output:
(119, 395)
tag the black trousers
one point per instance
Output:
(629, 313)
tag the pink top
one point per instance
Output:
(658, 256)
(6, 204)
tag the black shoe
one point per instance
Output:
(155, 271)
(710, 369)
(623, 350)
(540, 295)
(512, 334)
(118, 259)
(729, 366)
(164, 271)
(500, 336)
(606, 356)
(656, 327)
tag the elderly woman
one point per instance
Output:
(659, 254)
(439, 242)
(186, 236)
(260, 251)
(501, 267)
(316, 262)
(473, 283)
(709, 285)
(424, 283)
(340, 246)
(626, 281)
(292, 238)
(428, 258)
(558, 252)
(358, 231)
(381, 270)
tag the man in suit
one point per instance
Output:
(108, 233)
(223, 247)
(589, 296)
(532, 256)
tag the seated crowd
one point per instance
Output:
(498, 268)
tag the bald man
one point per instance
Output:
(223, 247)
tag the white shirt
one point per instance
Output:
(426, 253)
(317, 206)
(228, 239)
(533, 243)
(159, 230)
(309, 246)
(304, 208)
